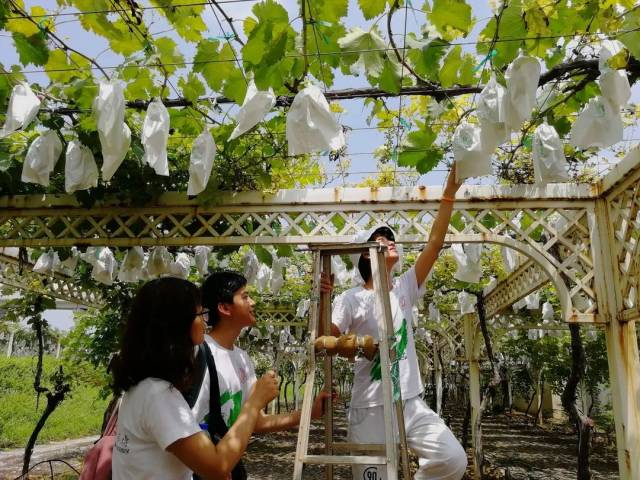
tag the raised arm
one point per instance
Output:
(429, 254)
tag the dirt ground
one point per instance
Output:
(528, 452)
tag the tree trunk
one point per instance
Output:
(583, 424)
(53, 400)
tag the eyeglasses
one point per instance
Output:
(204, 314)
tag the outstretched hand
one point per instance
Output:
(326, 282)
(317, 410)
(452, 185)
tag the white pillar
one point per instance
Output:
(622, 347)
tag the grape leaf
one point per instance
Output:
(418, 151)
(452, 18)
(31, 49)
(372, 8)
(191, 86)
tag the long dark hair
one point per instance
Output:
(157, 336)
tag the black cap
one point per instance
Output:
(383, 231)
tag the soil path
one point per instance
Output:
(529, 453)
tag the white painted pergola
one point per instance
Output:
(592, 256)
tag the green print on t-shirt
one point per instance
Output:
(400, 346)
(236, 398)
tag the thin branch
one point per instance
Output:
(400, 58)
(229, 20)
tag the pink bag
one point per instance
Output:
(97, 462)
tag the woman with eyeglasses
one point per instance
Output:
(157, 436)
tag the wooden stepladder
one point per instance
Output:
(385, 454)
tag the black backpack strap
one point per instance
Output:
(216, 422)
(191, 396)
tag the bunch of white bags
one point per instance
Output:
(509, 259)
(115, 135)
(466, 302)
(339, 269)
(549, 162)
(491, 113)
(472, 160)
(547, 312)
(250, 266)
(254, 108)
(467, 258)
(154, 137)
(493, 281)
(22, 109)
(131, 267)
(277, 276)
(105, 267)
(311, 126)
(159, 262)
(532, 301)
(263, 277)
(203, 153)
(181, 266)
(201, 256)
(522, 78)
(599, 124)
(41, 158)
(303, 308)
(47, 263)
(434, 313)
(80, 169)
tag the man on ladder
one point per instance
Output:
(441, 457)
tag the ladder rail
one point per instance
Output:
(381, 286)
(305, 418)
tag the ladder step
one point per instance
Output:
(358, 447)
(344, 460)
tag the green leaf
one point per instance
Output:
(330, 10)
(168, 53)
(457, 221)
(60, 66)
(31, 49)
(466, 75)
(452, 18)
(511, 26)
(390, 80)
(263, 255)
(4, 13)
(284, 251)
(418, 150)
(371, 45)
(235, 86)
(427, 59)
(372, 8)
(192, 88)
(449, 71)
(140, 83)
(206, 51)
(631, 40)
(186, 19)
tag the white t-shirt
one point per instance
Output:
(355, 311)
(152, 416)
(236, 376)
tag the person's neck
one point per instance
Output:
(225, 337)
(368, 285)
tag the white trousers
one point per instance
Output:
(441, 457)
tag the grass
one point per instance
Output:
(77, 416)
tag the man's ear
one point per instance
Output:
(224, 309)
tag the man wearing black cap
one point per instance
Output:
(441, 457)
